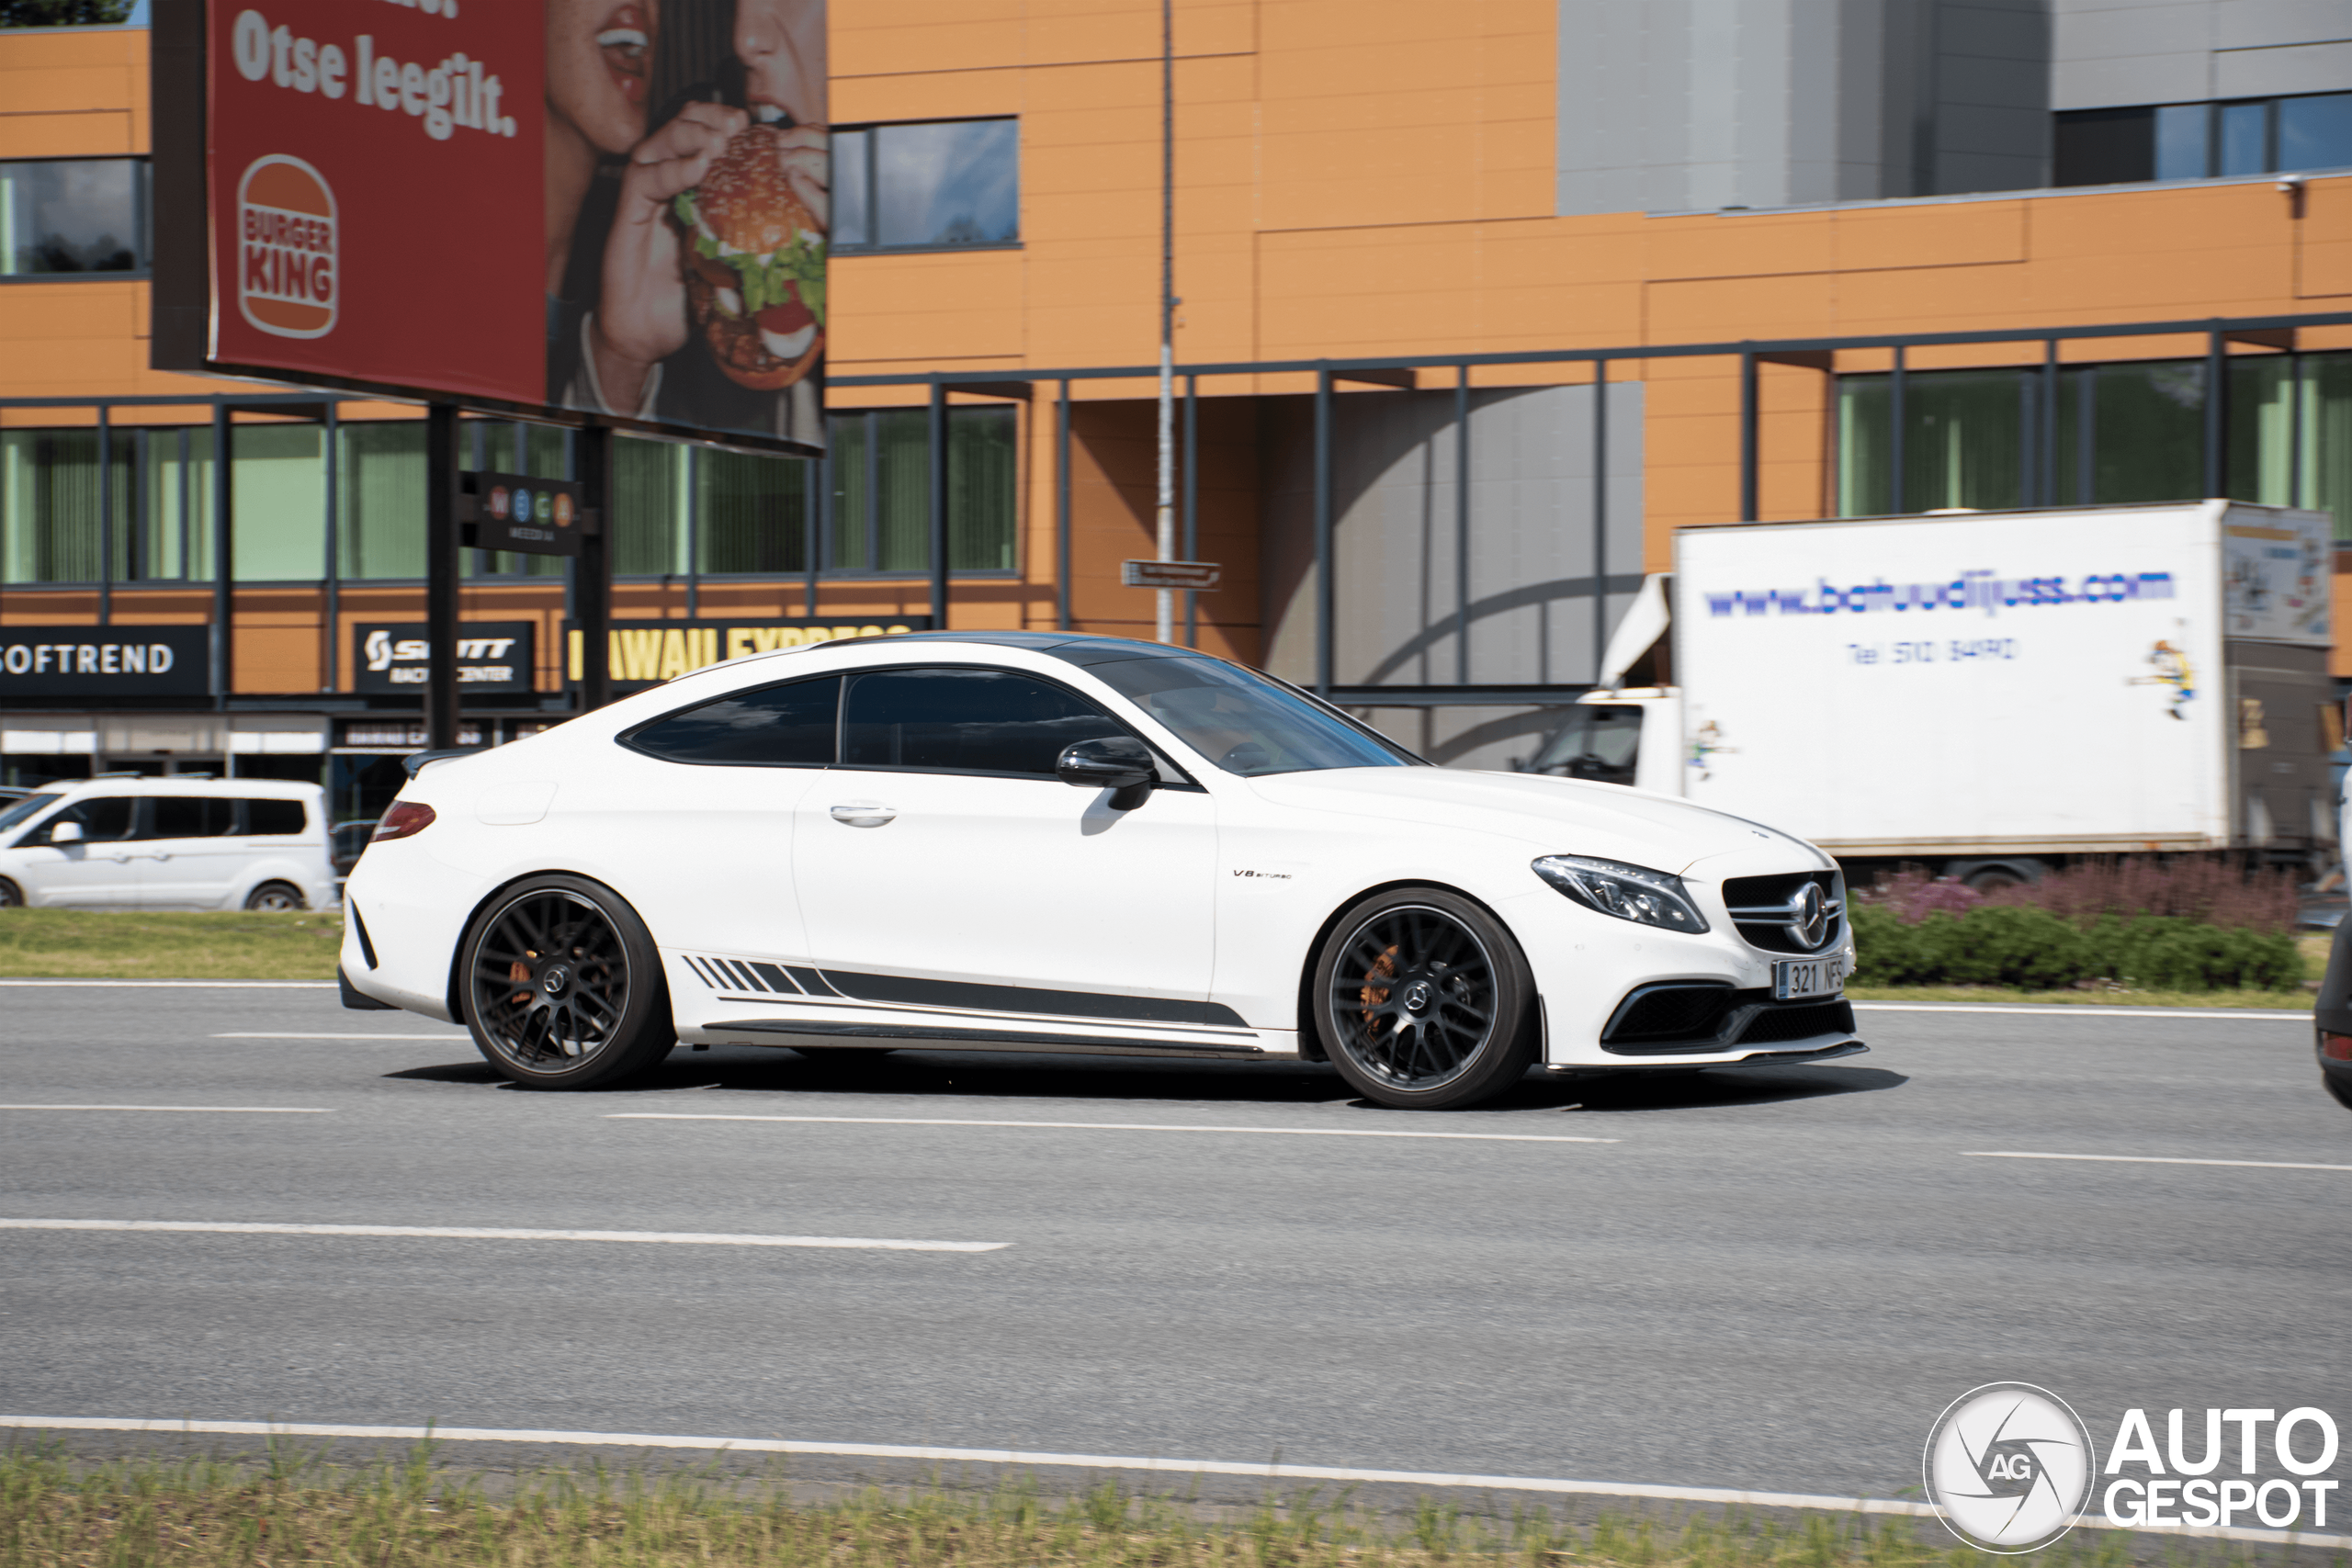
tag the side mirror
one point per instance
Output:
(63, 833)
(1117, 762)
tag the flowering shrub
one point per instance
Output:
(2196, 925)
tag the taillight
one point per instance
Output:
(404, 820)
(2336, 1048)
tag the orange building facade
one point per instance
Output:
(1374, 185)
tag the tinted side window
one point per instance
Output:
(969, 721)
(273, 816)
(103, 820)
(189, 817)
(776, 727)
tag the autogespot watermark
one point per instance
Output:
(2010, 1467)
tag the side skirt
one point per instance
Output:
(893, 1036)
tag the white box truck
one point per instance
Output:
(1988, 694)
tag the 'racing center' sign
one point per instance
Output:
(495, 658)
(106, 661)
(643, 653)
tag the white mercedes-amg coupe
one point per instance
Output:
(1031, 841)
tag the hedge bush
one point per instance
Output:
(2032, 949)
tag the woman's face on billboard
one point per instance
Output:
(598, 55)
(782, 46)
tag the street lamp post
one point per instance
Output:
(1164, 618)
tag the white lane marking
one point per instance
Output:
(225, 1109)
(193, 985)
(1106, 1127)
(2257, 1013)
(2154, 1159)
(321, 1034)
(492, 1233)
(1089, 1461)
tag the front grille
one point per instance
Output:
(1760, 909)
(1800, 1022)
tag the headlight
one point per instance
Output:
(1628, 891)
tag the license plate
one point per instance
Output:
(1796, 977)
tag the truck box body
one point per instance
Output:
(2094, 680)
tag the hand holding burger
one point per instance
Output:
(755, 279)
(641, 316)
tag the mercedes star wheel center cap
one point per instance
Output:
(1417, 997)
(552, 982)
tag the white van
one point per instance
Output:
(178, 843)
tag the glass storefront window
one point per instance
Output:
(675, 509)
(73, 216)
(649, 505)
(281, 496)
(880, 461)
(2132, 432)
(754, 513)
(2128, 432)
(379, 499)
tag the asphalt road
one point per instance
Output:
(1767, 1279)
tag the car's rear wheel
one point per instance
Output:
(563, 987)
(11, 895)
(274, 898)
(1423, 1000)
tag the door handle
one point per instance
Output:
(865, 813)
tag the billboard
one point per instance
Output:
(599, 209)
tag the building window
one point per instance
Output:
(67, 217)
(939, 186)
(2124, 433)
(133, 503)
(155, 489)
(879, 501)
(2192, 142)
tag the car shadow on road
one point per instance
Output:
(915, 1077)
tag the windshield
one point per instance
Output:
(1595, 742)
(13, 812)
(1245, 723)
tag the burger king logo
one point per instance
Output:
(287, 272)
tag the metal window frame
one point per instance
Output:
(1747, 355)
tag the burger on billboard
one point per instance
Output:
(610, 208)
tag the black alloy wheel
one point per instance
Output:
(1424, 1001)
(11, 895)
(563, 988)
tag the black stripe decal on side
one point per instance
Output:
(696, 965)
(904, 991)
(990, 1036)
(745, 979)
(810, 981)
(774, 977)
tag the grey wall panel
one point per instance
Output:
(2109, 53)
(2263, 24)
(2296, 68)
(2131, 79)
(1531, 542)
(1693, 105)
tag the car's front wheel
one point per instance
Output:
(1423, 1000)
(11, 895)
(562, 987)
